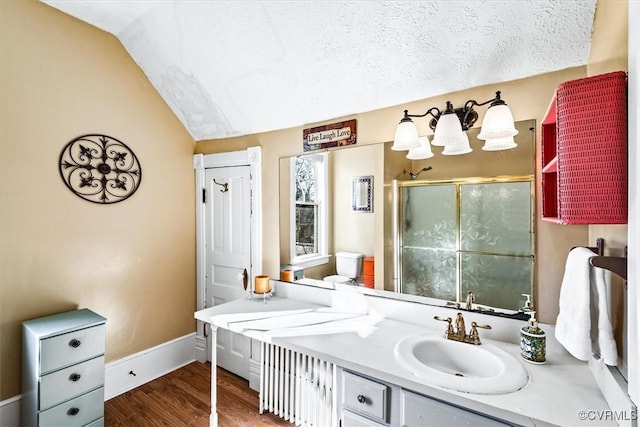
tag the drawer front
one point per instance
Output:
(421, 411)
(349, 419)
(67, 383)
(75, 413)
(73, 347)
(365, 396)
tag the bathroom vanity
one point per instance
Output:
(359, 337)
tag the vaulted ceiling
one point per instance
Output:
(229, 68)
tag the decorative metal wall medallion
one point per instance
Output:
(100, 169)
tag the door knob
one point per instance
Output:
(245, 279)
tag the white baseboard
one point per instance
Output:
(200, 348)
(147, 365)
(10, 412)
(132, 371)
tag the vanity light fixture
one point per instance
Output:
(449, 126)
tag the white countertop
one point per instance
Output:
(363, 342)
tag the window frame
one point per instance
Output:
(322, 229)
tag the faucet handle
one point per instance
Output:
(448, 320)
(475, 325)
(473, 336)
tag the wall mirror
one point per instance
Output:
(491, 211)
(362, 194)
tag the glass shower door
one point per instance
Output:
(428, 241)
(461, 237)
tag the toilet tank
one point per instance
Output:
(348, 264)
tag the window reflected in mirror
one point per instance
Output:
(309, 207)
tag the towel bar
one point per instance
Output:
(615, 264)
(618, 265)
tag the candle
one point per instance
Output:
(262, 285)
(286, 275)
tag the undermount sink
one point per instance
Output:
(481, 369)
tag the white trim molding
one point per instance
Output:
(10, 411)
(125, 374)
(132, 371)
(251, 157)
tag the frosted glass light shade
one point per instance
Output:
(458, 146)
(497, 144)
(406, 136)
(422, 152)
(497, 123)
(448, 130)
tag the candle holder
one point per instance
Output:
(261, 288)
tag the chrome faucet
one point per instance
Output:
(459, 332)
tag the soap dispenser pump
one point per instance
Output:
(528, 305)
(533, 341)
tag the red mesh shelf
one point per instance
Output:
(592, 150)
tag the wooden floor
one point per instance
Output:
(182, 398)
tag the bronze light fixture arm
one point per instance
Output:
(430, 111)
(470, 115)
(494, 101)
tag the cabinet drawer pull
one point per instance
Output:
(73, 411)
(75, 343)
(74, 377)
(361, 398)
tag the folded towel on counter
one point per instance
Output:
(583, 325)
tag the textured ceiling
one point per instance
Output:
(230, 68)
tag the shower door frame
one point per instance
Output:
(397, 201)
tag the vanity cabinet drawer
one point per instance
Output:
(73, 381)
(78, 412)
(67, 349)
(422, 411)
(365, 396)
(349, 419)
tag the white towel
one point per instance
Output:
(583, 325)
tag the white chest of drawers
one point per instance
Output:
(63, 370)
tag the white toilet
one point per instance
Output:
(348, 267)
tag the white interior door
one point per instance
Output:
(228, 255)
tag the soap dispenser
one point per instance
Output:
(533, 341)
(528, 305)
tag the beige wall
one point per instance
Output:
(352, 231)
(132, 262)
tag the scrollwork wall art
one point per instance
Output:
(100, 169)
